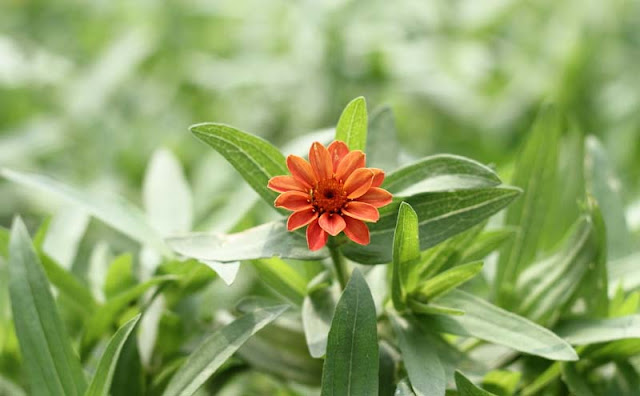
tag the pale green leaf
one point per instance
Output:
(351, 365)
(625, 272)
(448, 280)
(51, 365)
(406, 252)
(431, 308)
(382, 141)
(68, 284)
(317, 311)
(101, 381)
(283, 279)
(216, 349)
(590, 331)
(487, 242)
(352, 125)
(467, 388)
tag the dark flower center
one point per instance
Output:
(328, 196)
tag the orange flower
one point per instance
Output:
(331, 193)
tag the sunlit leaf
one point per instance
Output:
(283, 279)
(406, 251)
(352, 125)
(589, 331)
(448, 280)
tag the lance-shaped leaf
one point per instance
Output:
(590, 331)
(114, 211)
(217, 348)
(448, 280)
(441, 215)
(254, 158)
(467, 388)
(51, 365)
(406, 252)
(536, 174)
(486, 243)
(440, 173)
(352, 125)
(423, 365)
(351, 365)
(488, 322)
(101, 381)
(264, 241)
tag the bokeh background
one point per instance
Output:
(88, 90)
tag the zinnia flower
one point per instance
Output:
(331, 193)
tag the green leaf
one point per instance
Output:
(467, 388)
(317, 311)
(404, 388)
(264, 241)
(383, 150)
(283, 279)
(575, 381)
(8, 388)
(441, 215)
(119, 276)
(406, 252)
(440, 173)
(254, 158)
(448, 280)
(352, 125)
(486, 243)
(217, 348)
(604, 185)
(590, 331)
(501, 382)
(625, 272)
(486, 321)
(68, 284)
(535, 172)
(51, 365)
(114, 211)
(421, 360)
(351, 365)
(431, 308)
(4, 242)
(101, 381)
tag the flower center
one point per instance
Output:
(328, 196)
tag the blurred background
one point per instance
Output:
(88, 90)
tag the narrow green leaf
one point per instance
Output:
(68, 284)
(590, 331)
(129, 376)
(441, 215)
(388, 367)
(575, 381)
(114, 211)
(283, 279)
(101, 381)
(4, 242)
(418, 307)
(441, 172)
(544, 379)
(486, 321)
(216, 349)
(264, 241)
(535, 172)
(448, 280)
(254, 158)
(351, 365)
(467, 388)
(486, 243)
(352, 125)
(51, 365)
(317, 311)
(406, 252)
(383, 150)
(421, 360)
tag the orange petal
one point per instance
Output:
(320, 161)
(316, 236)
(357, 231)
(332, 223)
(361, 211)
(285, 183)
(300, 219)
(337, 150)
(378, 177)
(376, 197)
(358, 183)
(350, 162)
(293, 200)
(301, 171)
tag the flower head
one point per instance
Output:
(331, 193)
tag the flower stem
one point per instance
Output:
(340, 266)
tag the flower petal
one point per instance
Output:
(378, 177)
(286, 183)
(293, 200)
(358, 183)
(301, 171)
(376, 197)
(300, 219)
(337, 150)
(320, 161)
(361, 211)
(316, 236)
(352, 161)
(332, 223)
(357, 231)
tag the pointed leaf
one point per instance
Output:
(406, 251)
(351, 365)
(448, 280)
(590, 331)
(216, 349)
(352, 125)
(486, 243)
(101, 381)
(51, 365)
(467, 388)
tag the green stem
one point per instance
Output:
(340, 266)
